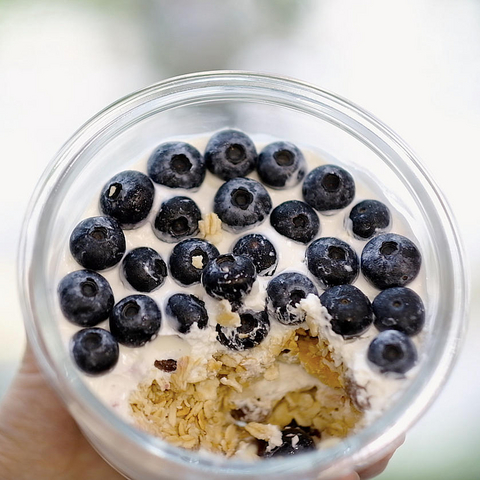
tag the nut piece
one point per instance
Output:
(271, 373)
(269, 433)
(207, 390)
(227, 318)
(231, 382)
(211, 228)
(197, 261)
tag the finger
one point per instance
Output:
(28, 364)
(375, 469)
(379, 466)
(350, 476)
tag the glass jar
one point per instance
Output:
(197, 104)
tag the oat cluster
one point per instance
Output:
(210, 228)
(193, 411)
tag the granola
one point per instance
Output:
(221, 413)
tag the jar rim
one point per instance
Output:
(368, 440)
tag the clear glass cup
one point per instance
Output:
(194, 105)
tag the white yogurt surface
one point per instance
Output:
(135, 365)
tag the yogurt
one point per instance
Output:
(374, 391)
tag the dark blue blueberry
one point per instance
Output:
(260, 251)
(295, 220)
(332, 261)
(86, 298)
(97, 243)
(253, 330)
(177, 165)
(399, 308)
(390, 260)
(177, 219)
(284, 293)
(392, 351)
(295, 440)
(242, 203)
(185, 310)
(281, 165)
(350, 309)
(328, 188)
(229, 277)
(135, 320)
(368, 218)
(128, 197)
(144, 269)
(230, 154)
(189, 258)
(94, 350)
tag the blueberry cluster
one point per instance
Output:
(295, 440)
(388, 261)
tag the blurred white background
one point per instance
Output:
(415, 64)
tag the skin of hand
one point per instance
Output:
(38, 437)
(39, 440)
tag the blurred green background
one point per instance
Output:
(415, 64)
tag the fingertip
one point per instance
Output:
(350, 476)
(28, 363)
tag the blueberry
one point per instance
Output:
(332, 261)
(392, 351)
(284, 292)
(144, 269)
(177, 219)
(230, 154)
(260, 251)
(369, 218)
(295, 220)
(281, 165)
(350, 309)
(94, 350)
(128, 197)
(242, 203)
(97, 243)
(189, 258)
(399, 308)
(328, 188)
(253, 330)
(135, 320)
(177, 165)
(295, 440)
(390, 260)
(86, 298)
(229, 277)
(185, 310)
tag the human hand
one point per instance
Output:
(375, 468)
(372, 470)
(40, 440)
